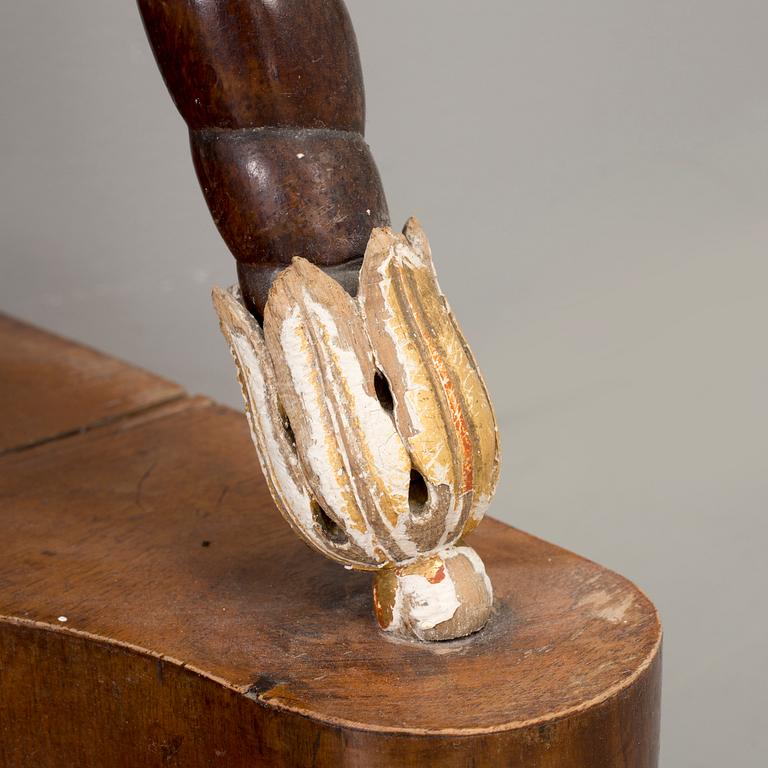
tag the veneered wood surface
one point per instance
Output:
(201, 631)
(51, 387)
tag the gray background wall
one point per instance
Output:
(606, 166)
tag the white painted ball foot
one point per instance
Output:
(441, 597)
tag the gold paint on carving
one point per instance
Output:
(469, 387)
(384, 592)
(244, 335)
(400, 323)
(450, 415)
(430, 568)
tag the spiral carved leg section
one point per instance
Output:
(442, 597)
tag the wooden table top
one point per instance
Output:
(136, 516)
(52, 387)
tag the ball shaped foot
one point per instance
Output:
(441, 597)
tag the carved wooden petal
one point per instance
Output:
(368, 477)
(274, 442)
(442, 408)
(355, 462)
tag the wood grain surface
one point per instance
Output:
(201, 631)
(51, 387)
(272, 94)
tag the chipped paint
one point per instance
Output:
(279, 462)
(424, 603)
(422, 599)
(326, 443)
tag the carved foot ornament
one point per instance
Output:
(374, 428)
